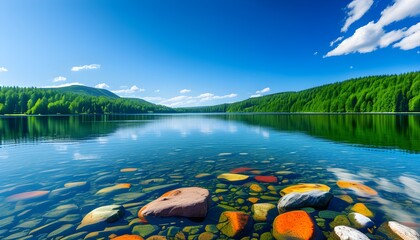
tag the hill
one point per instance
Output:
(77, 89)
(387, 93)
(71, 100)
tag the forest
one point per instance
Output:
(387, 93)
(16, 100)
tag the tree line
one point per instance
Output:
(17, 100)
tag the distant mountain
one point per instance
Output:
(387, 93)
(78, 89)
(72, 100)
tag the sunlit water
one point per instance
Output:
(43, 153)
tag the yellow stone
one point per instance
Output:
(346, 198)
(74, 184)
(113, 188)
(256, 188)
(362, 209)
(304, 187)
(232, 177)
(253, 199)
(357, 187)
(128, 170)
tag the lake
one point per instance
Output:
(53, 167)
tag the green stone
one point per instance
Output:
(340, 220)
(266, 236)
(144, 230)
(328, 214)
(211, 228)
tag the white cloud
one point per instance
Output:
(315, 53)
(265, 90)
(102, 85)
(85, 67)
(157, 90)
(3, 69)
(59, 79)
(65, 85)
(336, 41)
(357, 8)
(372, 36)
(133, 89)
(183, 91)
(255, 95)
(183, 100)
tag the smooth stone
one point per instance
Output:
(211, 228)
(203, 175)
(118, 187)
(19, 235)
(233, 223)
(27, 196)
(124, 170)
(294, 225)
(328, 214)
(75, 236)
(192, 229)
(253, 199)
(207, 236)
(181, 202)
(347, 199)
(29, 224)
(297, 200)
(109, 214)
(221, 190)
(154, 180)
(75, 184)
(61, 211)
(256, 188)
(145, 230)
(397, 231)
(60, 231)
(224, 154)
(304, 187)
(362, 209)
(70, 218)
(46, 228)
(128, 237)
(232, 177)
(266, 236)
(156, 237)
(340, 220)
(284, 172)
(106, 179)
(346, 233)
(266, 179)
(360, 221)
(263, 212)
(360, 189)
(241, 170)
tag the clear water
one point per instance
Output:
(44, 153)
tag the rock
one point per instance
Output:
(340, 220)
(46, 228)
(124, 170)
(397, 231)
(29, 224)
(211, 228)
(145, 230)
(75, 185)
(156, 237)
(241, 170)
(61, 211)
(328, 214)
(266, 236)
(154, 180)
(362, 209)
(203, 176)
(294, 225)
(347, 199)
(74, 236)
(266, 179)
(66, 228)
(109, 214)
(233, 223)
(26, 196)
(297, 200)
(207, 236)
(360, 221)
(304, 187)
(253, 199)
(232, 177)
(118, 187)
(256, 188)
(263, 212)
(346, 233)
(181, 202)
(128, 237)
(360, 189)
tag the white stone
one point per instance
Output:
(404, 232)
(348, 233)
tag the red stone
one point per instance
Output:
(241, 170)
(266, 179)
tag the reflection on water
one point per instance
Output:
(156, 153)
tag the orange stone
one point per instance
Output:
(253, 199)
(128, 237)
(362, 209)
(297, 225)
(128, 170)
(232, 223)
(357, 187)
(26, 196)
(241, 170)
(266, 179)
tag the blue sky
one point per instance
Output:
(192, 53)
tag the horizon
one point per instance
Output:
(189, 54)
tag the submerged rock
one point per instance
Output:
(263, 212)
(295, 225)
(297, 200)
(181, 202)
(304, 187)
(61, 211)
(362, 209)
(110, 214)
(118, 187)
(360, 189)
(397, 231)
(26, 196)
(241, 170)
(360, 221)
(346, 233)
(233, 223)
(128, 170)
(266, 179)
(128, 237)
(232, 177)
